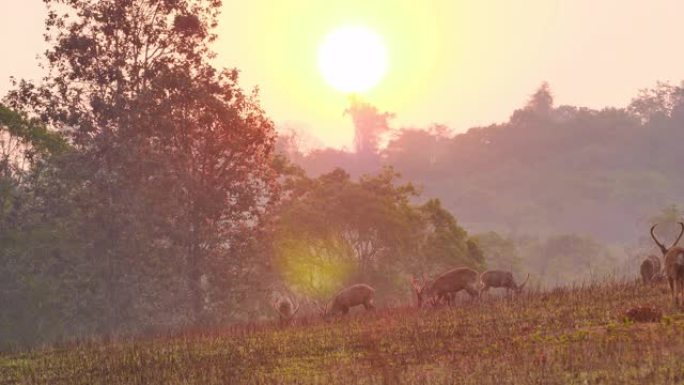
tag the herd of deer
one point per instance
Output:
(445, 286)
(441, 289)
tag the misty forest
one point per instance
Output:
(143, 191)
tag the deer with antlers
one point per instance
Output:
(445, 285)
(345, 299)
(500, 279)
(285, 307)
(674, 264)
(651, 270)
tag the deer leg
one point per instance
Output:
(442, 299)
(472, 292)
(368, 305)
(452, 299)
(671, 282)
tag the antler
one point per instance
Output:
(322, 308)
(275, 304)
(296, 309)
(680, 235)
(416, 284)
(525, 282)
(660, 245)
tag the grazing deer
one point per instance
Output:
(500, 278)
(674, 265)
(285, 308)
(651, 270)
(354, 295)
(442, 287)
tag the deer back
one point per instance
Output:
(655, 262)
(650, 267)
(498, 278)
(353, 295)
(674, 263)
(453, 280)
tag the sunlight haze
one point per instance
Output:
(461, 63)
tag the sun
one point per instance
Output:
(352, 59)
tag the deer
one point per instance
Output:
(651, 270)
(500, 279)
(674, 265)
(285, 307)
(446, 284)
(345, 299)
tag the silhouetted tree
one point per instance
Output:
(369, 125)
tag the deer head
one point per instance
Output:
(662, 247)
(420, 288)
(286, 308)
(520, 287)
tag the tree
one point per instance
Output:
(542, 100)
(23, 142)
(500, 253)
(567, 258)
(174, 170)
(656, 105)
(366, 230)
(26, 150)
(369, 126)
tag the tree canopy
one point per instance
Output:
(370, 228)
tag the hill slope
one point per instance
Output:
(569, 335)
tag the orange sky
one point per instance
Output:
(461, 63)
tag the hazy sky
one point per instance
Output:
(462, 63)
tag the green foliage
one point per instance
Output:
(500, 253)
(373, 223)
(35, 137)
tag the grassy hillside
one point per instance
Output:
(565, 336)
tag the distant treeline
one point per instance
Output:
(548, 170)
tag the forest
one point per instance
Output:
(144, 190)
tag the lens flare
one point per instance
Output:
(316, 268)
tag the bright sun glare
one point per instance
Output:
(352, 59)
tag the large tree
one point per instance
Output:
(173, 170)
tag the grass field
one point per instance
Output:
(565, 336)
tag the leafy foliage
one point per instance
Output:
(153, 219)
(371, 224)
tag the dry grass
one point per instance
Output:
(564, 336)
